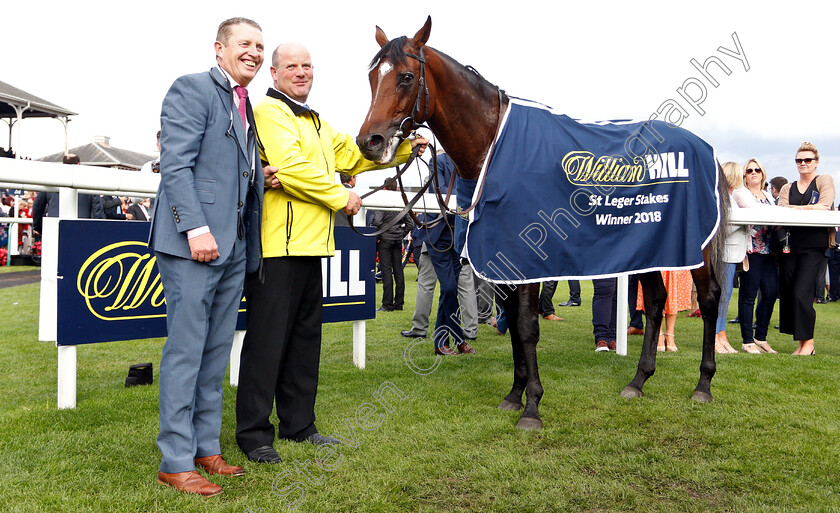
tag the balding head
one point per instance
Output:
(291, 70)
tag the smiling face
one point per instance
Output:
(242, 54)
(292, 71)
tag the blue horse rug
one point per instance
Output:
(566, 199)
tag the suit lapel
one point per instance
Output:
(226, 95)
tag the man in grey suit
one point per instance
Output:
(205, 234)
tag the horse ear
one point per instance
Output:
(422, 35)
(381, 38)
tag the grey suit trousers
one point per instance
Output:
(202, 303)
(426, 283)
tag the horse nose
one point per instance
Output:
(371, 145)
(373, 142)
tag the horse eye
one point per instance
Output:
(406, 78)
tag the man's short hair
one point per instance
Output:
(778, 182)
(345, 178)
(158, 136)
(71, 158)
(223, 33)
(390, 184)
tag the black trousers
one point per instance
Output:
(547, 298)
(393, 279)
(281, 352)
(798, 273)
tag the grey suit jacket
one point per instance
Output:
(209, 168)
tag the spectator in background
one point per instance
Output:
(140, 209)
(115, 208)
(806, 246)
(678, 286)
(776, 185)
(604, 301)
(734, 253)
(546, 307)
(46, 203)
(348, 181)
(389, 247)
(574, 294)
(152, 166)
(762, 274)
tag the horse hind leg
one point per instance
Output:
(513, 401)
(708, 296)
(655, 296)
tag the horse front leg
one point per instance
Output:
(708, 296)
(655, 296)
(510, 302)
(529, 334)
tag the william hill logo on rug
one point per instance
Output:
(585, 169)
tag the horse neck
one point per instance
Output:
(466, 112)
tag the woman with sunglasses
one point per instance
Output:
(804, 250)
(763, 272)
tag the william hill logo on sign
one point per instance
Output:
(115, 292)
(118, 280)
(585, 169)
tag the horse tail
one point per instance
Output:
(718, 242)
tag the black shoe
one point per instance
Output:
(734, 321)
(412, 334)
(264, 454)
(384, 308)
(820, 301)
(569, 303)
(319, 439)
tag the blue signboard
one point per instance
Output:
(109, 287)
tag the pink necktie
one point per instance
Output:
(243, 101)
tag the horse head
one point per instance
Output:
(399, 94)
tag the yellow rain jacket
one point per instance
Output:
(298, 219)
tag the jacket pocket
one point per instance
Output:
(205, 190)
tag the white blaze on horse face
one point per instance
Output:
(391, 150)
(384, 69)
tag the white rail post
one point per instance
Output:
(621, 315)
(68, 209)
(359, 355)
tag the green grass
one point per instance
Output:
(768, 442)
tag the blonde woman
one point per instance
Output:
(763, 273)
(735, 252)
(805, 249)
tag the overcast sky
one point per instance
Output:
(592, 60)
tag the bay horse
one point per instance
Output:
(412, 84)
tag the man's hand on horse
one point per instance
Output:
(271, 179)
(422, 141)
(354, 203)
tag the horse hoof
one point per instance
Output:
(510, 405)
(529, 424)
(701, 397)
(631, 393)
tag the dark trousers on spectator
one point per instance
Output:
(796, 292)
(636, 316)
(834, 274)
(763, 276)
(547, 298)
(393, 280)
(604, 300)
(574, 291)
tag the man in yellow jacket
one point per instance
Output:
(282, 347)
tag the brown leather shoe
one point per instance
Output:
(445, 351)
(611, 345)
(465, 348)
(635, 331)
(190, 482)
(552, 317)
(217, 465)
